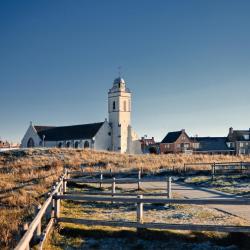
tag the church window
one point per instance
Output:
(124, 106)
(31, 143)
(86, 144)
(76, 144)
(68, 144)
(114, 105)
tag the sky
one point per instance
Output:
(187, 63)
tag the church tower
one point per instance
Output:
(119, 107)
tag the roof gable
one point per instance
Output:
(238, 135)
(74, 132)
(172, 137)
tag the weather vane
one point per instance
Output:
(119, 71)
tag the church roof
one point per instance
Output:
(74, 132)
(41, 128)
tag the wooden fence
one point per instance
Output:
(51, 207)
(140, 201)
(34, 230)
(221, 168)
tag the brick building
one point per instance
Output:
(177, 142)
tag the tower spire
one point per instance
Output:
(119, 71)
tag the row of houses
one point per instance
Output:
(236, 142)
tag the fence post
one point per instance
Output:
(101, 178)
(213, 170)
(241, 167)
(140, 210)
(39, 227)
(113, 188)
(57, 206)
(169, 187)
(64, 186)
(139, 178)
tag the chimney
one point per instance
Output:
(153, 139)
(231, 130)
(183, 130)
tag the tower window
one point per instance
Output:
(124, 106)
(113, 105)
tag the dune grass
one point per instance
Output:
(27, 175)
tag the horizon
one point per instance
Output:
(187, 64)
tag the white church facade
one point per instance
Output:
(115, 134)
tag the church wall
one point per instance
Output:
(103, 138)
(30, 133)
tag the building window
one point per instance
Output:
(59, 145)
(119, 125)
(119, 148)
(114, 105)
(124, 106)
(86, 144)
(68, 144)
(76, 144)
(246, 137)
(109, 133)
(241, 144)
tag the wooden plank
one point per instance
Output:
(190, 227)
(117, 194)
(118, 181)
(222, 201)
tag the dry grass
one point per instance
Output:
(26, 176)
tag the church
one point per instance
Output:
(114, 134)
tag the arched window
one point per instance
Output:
(59, 145)
(76, 144)
(86, 144)
(30, 143)
(113, 105)
(68, 144)
(124, 106)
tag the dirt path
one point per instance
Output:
(189, 192)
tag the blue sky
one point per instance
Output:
(186, 62)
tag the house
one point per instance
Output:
(239, 141)
(148, 145)
(211, 145)
(115, 134)
(176, 142)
